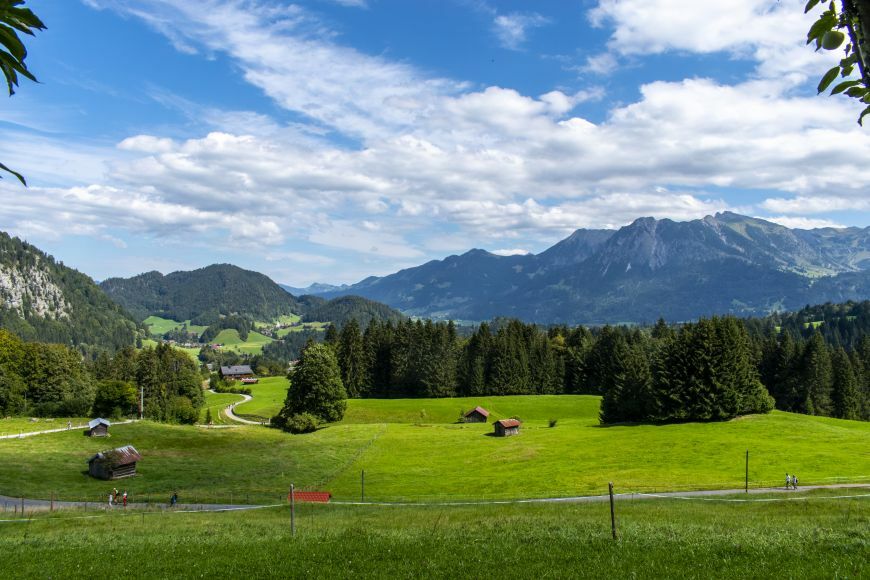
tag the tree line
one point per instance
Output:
(712, 369)
(53, 380)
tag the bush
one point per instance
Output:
(301, 423)
(181, 409)
(553, 422)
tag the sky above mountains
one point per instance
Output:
(330, 140)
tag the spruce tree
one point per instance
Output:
(315, 388)
(352, 360)
(844, 392)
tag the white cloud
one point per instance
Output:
(803, 223)
(511, 252)
(814, 205)
(512, 29)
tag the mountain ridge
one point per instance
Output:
(719, 264)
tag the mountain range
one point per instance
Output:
(725, 263)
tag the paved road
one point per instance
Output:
(60, 430)
(699, 494)
(233, 417)
(9, 504)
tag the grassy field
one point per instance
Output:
(816, 538)
(232, 341)
(269, 395)
(216, 402)
(161, 326)
(412, 456)
(191, 352)
(13, 425)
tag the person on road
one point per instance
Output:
(124, 497)
(173, 499)
(787, 481)
(794, 481)
(111, 497)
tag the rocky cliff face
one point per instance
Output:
(29, 291)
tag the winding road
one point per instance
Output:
(228, 411)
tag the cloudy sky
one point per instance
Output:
(330, 140)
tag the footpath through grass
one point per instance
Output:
(15, 425)
(269, 395)
(817, 538)
(216, 403)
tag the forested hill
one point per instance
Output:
(204, 295)
(341, 310)
(43, 300)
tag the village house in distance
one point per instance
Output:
(237, 372)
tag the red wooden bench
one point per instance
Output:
(311, 496)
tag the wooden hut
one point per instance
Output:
(98, 427)
(476, 415)
(237, 372)
(506, 427)
(114, 463)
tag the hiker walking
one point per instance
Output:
(111, 497)
(794, 481)
(787, 481)
(68, 425)
(124, 497)
(173, 499)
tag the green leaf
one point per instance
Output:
(864, 113)
(810, 5)
(843, 86)
(828, 78)
(10, 41)
(24, 183)
(857, 92)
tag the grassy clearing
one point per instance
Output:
(13, 425)
(160, 326)
(657, 539)
(217, 402)
(269, 395)
(191, 352)
(254, 463)
(435, 458)
(305, 326)
(232, 341)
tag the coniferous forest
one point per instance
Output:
(713, 369)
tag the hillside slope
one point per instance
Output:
(43, 300)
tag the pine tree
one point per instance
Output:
(315, 388)
(844, 392)
(352, 360)
(815, 378)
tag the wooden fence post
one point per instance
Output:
(612, 512)
(747, 471)
(292, 510)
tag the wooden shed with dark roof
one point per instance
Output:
(114, 463)
(98, 427)
(506, 427)
(476, 415)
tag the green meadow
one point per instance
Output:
(160, 326)
(810, 538)
(216, 403)
(269, 394)
(231, 340)
(413, 449)
(14, 425)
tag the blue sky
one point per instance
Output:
(330, 140)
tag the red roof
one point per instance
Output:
(509, 423)
(480, 410)
(311, 496)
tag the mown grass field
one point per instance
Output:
(216, 403)
(231, 340)
(193, 353)
(410, 456)
(269, 395)
(816, 538)
(15, 425)
(160, 326)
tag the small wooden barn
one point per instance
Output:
(506, 427)
(98, 427)
(237, 372)
(476, 415)
(114, 463)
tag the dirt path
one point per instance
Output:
(61, 430)
(9, 504)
